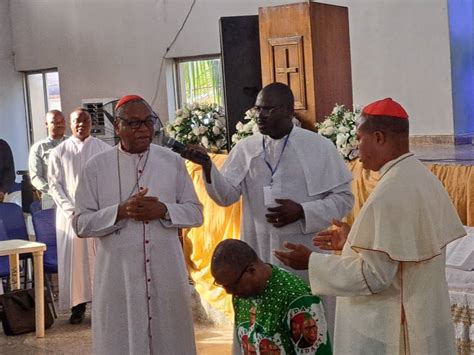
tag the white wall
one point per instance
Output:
(107, 48)
(12, 108)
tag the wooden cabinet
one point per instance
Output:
(306, 46)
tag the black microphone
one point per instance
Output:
(179, 147)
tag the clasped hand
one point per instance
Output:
(142, 208)
(288, 212)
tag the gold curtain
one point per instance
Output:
(224, 223)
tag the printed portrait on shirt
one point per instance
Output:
(307, 325)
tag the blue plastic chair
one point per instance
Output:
(16, 186)
(35, 206)
(12, 216)
(14, 222)
(4, 262)
(44, 223)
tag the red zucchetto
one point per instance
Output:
(386, 107)
(127, 98)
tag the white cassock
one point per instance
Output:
(141, 293)
(75, 255)
(391, 274)
(307, 169)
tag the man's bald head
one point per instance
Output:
(234, 253)
(55, 123)
(280, 93)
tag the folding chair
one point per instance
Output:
(44, 223)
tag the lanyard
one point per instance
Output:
(273, 170)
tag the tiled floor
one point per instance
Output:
(64, 338)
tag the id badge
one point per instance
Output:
(268, 198)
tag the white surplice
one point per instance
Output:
(391, 274)
(75, 255)
(141, 294)
(310, 172)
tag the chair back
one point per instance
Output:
(44, 223)
(13, 220)
(35, 206)
(16, 186)
(4, 262)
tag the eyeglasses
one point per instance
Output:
(136, 124)
(233, 285)
(265, 109)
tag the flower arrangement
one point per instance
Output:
(200, 123)
(246, 129)
(340, 128)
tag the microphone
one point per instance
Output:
(179, 147)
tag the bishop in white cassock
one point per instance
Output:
(132, 200)
(391, 274)
(75, 256)
(293, 182)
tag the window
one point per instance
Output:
(42, 94)
(199, 80)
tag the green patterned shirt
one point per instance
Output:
(285, 319)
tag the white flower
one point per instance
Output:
(219, 124)
(348, 116)
(205, 142)
(341, 139)
(216, 130)
(255, 129)
(239, 126)
(327, 131)
(202, 129)
(343, 129)
(178, 121)
(196, 131)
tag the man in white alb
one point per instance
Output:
(75, 255)
(293, 182)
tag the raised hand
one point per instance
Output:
(288, 212)
(333, 239)
(195, 153)
(296, 257)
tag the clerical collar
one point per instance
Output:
(387, 166)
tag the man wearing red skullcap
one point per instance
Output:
(133, 200)
(390, 273)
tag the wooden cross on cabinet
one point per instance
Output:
(287, 70)
(287, 66)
